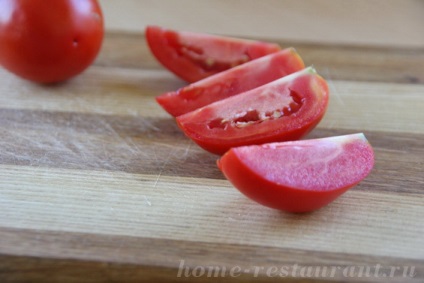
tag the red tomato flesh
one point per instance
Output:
(285, 109)
(299, 176)
(49, 41)
(231, 82)
(194, 56)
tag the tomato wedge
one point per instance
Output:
(194, 56)
(230, 82)
(299, 176)
(285, 109)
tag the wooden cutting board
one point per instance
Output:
(99, 184)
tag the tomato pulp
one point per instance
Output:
(49, 41)
(231, 82)
(299, 176)
(285, 109)
(194, 56)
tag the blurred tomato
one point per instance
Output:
(49, 41)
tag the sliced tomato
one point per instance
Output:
(299, 176)
(194, 56)
(285, 109)
(230, 82)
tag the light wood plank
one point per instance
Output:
(375, 107)
(389, 107)
(204, 210)
(361, 22)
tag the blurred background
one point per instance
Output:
(360, 22)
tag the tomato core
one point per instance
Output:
(250, 117)
(197, 54)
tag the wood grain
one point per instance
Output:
(98, 184)
(196, 209)
(130, 262)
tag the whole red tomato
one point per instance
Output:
(49, 41)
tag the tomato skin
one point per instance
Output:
(195, 56)
(231, 82)
(49, 41)
(205, 125)
(356, 159)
